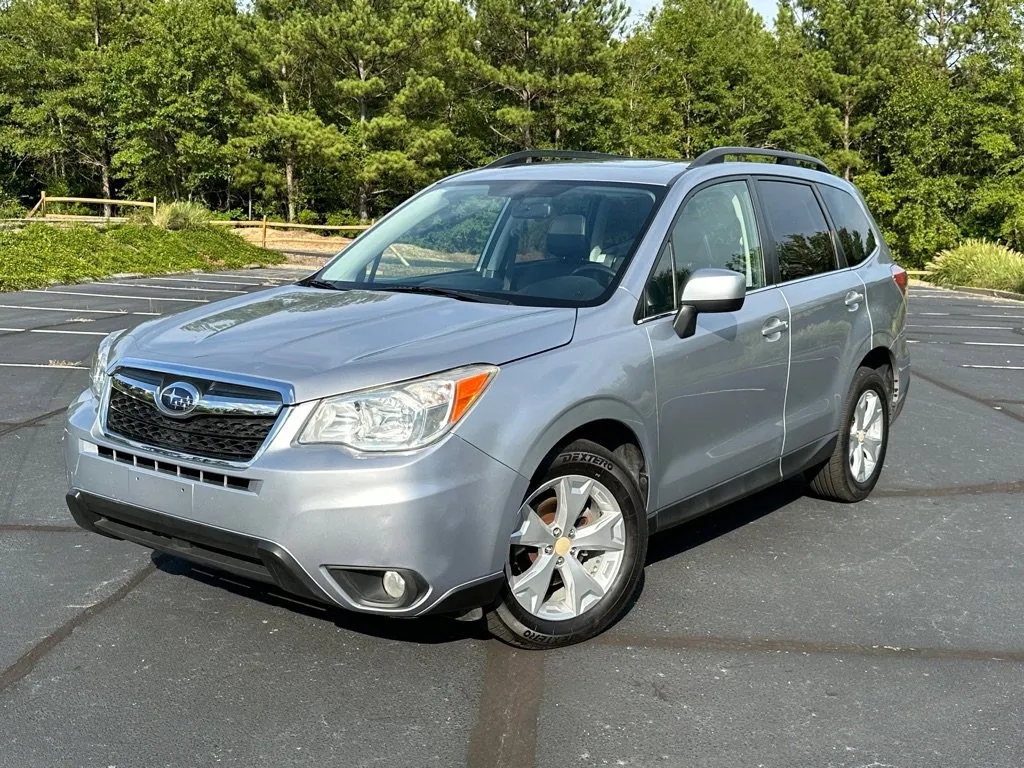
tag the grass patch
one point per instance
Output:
(979, 264)
(40, 255)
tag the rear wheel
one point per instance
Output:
(576, 558)
(856, 463)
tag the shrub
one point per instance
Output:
(342, 218)
(307, 216)
(41, 254)
(980, 264)
(181, 215)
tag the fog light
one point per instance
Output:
(394, 584)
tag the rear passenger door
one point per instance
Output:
(829, 322)
(720, 392)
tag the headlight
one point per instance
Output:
(98, 374)
(398, 417)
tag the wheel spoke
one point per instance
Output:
(857, 466)
(572, 500)
(601, 536)
(876, 416)
(531, 587)
(534, 532)
(578, 584)
(869, 462)
(870, 408)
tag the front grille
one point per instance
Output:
(232, 438)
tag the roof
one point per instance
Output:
(660, 172)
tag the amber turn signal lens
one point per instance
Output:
(467, 391)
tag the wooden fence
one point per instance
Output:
(266, 226)
(40, 207)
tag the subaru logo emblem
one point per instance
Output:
(178, 399)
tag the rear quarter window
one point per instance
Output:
(855, 234)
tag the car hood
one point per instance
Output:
(323, 342)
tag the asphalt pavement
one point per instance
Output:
(781, 631)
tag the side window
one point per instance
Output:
(660, 293)
(802, 241)
(855, 233)
(716, 228)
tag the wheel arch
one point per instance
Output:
(608, 423)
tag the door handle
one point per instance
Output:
(773, 328)
(853, 300)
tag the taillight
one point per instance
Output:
(899, 276)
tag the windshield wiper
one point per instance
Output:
(450, 293)
(315, 282)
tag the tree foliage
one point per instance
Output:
(339, 109)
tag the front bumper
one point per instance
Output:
(296, 513)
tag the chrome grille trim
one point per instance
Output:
(209, 404)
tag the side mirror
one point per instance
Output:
(708, 290)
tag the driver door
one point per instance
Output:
(720, 392)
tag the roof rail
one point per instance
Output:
(718, 155)
(527, 155)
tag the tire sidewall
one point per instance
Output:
(602, 467)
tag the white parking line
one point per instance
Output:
(197, 280)
(114, 296)
(968, 343)
(41, 365)
(997, 367)
(966, 327)
(935, 314)
(257, 279)
(77, 311)
(53, 330)
(167, 287)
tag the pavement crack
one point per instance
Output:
(1016, 486)
(34, 421)
(28, 661)
(505, 735)
(787, 645)
(963, 393)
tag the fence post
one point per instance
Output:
(154, 205)
(263, 239)
(42, 203)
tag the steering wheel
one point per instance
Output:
(604, 274)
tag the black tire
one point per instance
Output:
(835, 480)
(512, 623)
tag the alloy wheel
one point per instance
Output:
(568, 550)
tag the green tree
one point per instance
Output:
(546, 69)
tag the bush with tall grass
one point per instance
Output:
(181, 214)
(980, 264)
(41, 254)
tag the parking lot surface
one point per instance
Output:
(780, 631)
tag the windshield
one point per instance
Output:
(550, 243)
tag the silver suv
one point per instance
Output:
(492, 398)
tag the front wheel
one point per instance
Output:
(856, 463)
(576, 558)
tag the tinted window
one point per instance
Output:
(660, 291)
(717, 229)
(801, 235)
(855, 234)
